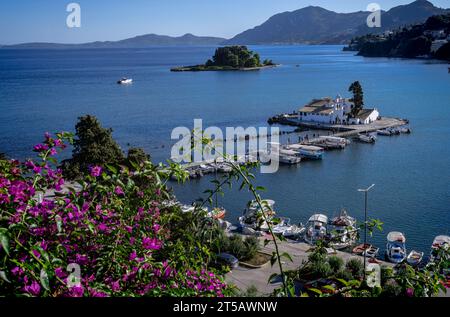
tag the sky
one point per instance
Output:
(45, 20)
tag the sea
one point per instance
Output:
(47, 90)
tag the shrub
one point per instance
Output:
(321, 270)
(386, 273)
(252, 247)
(336, 263)
(111, 238)
(391, 289)
(237, 247)
(344, 274)
(356, 268)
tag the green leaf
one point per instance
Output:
(3, 277)
(59, 223)
(287, 256)
(315, 290)
(44, 280)
(344, 282)
(4, 240)
(111, 168)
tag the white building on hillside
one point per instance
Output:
(335, 111)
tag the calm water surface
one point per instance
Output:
(44, 90)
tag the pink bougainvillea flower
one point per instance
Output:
(119, 191)
(34, 288)
(151, 244)
(95, 171)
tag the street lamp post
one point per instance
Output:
(365, 191)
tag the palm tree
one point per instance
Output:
(358, 98)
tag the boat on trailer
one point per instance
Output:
(396, 247)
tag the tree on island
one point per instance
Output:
(236, 57)
(94, 145)
(358, 98)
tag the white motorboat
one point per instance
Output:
(252, 217)
(125, 81)
(283, 225)
(307, 151)
(395, 247)
(316, 229)
(414, 258)
(295, 232)
(342, 231)
(366, 138)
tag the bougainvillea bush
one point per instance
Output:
(116, 235)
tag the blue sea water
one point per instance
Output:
(46, 90)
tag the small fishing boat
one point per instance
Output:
(217, 213)
(405, 130)
(395, 131)
(384, 132)
(414, 258)
(366, 138)
(371, 252)
(125, 81)
(342, 231)
(359, 249)
(316, 229)
(395, 247)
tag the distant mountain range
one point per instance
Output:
(315, 25)
(134, 42)
(310, 25)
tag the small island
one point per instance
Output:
(229, 58)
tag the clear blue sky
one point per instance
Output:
(44, 20)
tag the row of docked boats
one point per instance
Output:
(340, 232)
(218, 166)
(394, 131)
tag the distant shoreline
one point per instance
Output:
(203, 68)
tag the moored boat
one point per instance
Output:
(316, 229)
(371, 252)
(439, 243)
(366, 138)
(307, 151)
(217, 213)
(359, 249)
(342, 231)
(414, 258)
(384, 132)
(395, 247)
